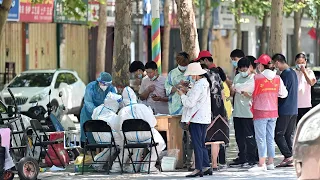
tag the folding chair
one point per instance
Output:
(99, 126)
(42, 140)
(138, 125)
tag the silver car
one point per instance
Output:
(306, 146)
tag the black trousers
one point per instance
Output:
(187, 148)
(302, 112)
(285, 130)
(244, 132)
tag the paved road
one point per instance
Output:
(230, 173)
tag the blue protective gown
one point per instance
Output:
(94, 97)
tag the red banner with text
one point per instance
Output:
(36, 12)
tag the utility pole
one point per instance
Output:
(155, 33)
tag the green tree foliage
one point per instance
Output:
(254, 8)
(291, 6)
(73, 8)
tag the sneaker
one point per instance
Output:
(236, 159)
(236, 164)
(248, 165)
(270, 166)
(257, 168)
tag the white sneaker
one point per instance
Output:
(270, 167)
(257, 168)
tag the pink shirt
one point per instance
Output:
(304, 93)
(159, 107)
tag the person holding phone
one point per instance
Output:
(152, 91)
(197, 114)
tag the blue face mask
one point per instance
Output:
(234, 63)
(139, 76)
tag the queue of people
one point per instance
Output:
(264, 106)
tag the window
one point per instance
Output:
(71, 78)
(65, 78)
(32, 80)
(3, 108)
(62, 78)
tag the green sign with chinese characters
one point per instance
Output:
(61, 15)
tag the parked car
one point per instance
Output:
(32, 87)
(315, 90)
(306, 146)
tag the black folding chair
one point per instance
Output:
(138, 125)
(42, 140)
(99, 126)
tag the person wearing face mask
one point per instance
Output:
(218, 130)
(152, 91)
(137, 74)
(95, 94)
(288, 110)
(235, 56)
(268, 86)
(174, 80)
(243, 86)
(306, 79)
(196, 114)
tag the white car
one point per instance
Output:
(31, 88)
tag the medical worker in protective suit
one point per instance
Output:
(133, 110)
(108, 113)
(95, 94)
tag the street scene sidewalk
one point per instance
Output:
(228, 173)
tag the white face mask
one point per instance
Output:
(182, 68)
(244, 74)
(104, 88)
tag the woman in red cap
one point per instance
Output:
(268, 87)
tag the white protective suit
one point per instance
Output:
(107, 112)
(133, 110)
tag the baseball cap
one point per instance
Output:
(203, 54)
(263, 59)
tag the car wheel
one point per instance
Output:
(54, 105)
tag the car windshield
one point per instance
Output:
(32, 80)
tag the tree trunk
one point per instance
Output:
(122, 42)
(188, 28)
(297, 29)
(238, 23)
(166, 38)
(4, 10)
(102, 39)
(276, 27)
(206, 26)
(263, 49)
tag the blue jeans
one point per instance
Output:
(264, 132)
